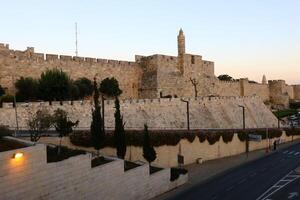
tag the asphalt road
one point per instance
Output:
(251, 181)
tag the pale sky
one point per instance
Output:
(243, 38)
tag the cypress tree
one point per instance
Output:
(119, 134)
(148, 151)
(96, 125)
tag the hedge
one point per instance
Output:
(172, 138)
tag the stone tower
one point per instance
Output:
(264, 80)
(181, 50)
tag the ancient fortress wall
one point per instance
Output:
(261, 90)
(290, 91)
(162, 75)
(242, 88)
(296, 91)
(278, 92)
(214, 112)
(228, 88)
(31, 177)
(27, 63)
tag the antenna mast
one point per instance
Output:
(76, 42)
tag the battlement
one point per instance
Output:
(127, 101)
(29, 54)
(4, 46)
(272, 82)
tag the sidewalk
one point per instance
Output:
(199, 173)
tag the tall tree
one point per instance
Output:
(27, 89)
(2, 91)
(119, 134)
(148, 151)
(96, 125)
(110, 87)
(40, 122)
(62, 124)
(85, 87)
(54, 84)
(225, 77)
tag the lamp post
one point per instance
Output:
(15, 105)
(244, 128)
(244, 125)
(103, 122)
(187, 112)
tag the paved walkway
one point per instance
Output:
(200, 173)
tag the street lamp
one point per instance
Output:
(187, 112)
(244, 127)
(15, 106)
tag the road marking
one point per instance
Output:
(242, 181)
(230, 188)
(285, 152)
(291, 152)
(252, 174)
(278, 185)
(293, 194)
(296, 153)
(263, 169)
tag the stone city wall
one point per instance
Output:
(290, 91)
(165, 113)
(27, 63)
(296, 91)
(227, 88)
(167, 155)
(31, 177)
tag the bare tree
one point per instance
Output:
(195, 84)
(40, 122)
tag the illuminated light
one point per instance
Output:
(18, 155)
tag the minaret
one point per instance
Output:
(181, 50)
(264, 80)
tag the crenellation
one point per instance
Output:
(39, 57)
(4, 46)
(78, 59)
(51, 57)
(65, 58)
(90, 60)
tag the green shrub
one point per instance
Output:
(176, 172)
(201, 136)
(2, 91)
(295, 105)
(285, 113)
(242, 136)
(275, 133)
(292, 131)
(7, 98)
(4, 131)
(27, 89)
(227, 136)
(189, 136)
(213, 137)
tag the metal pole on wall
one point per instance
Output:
(103, 120)
(244, 128)
(187, 113)
(15, 105)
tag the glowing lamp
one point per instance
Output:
(18, 155)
